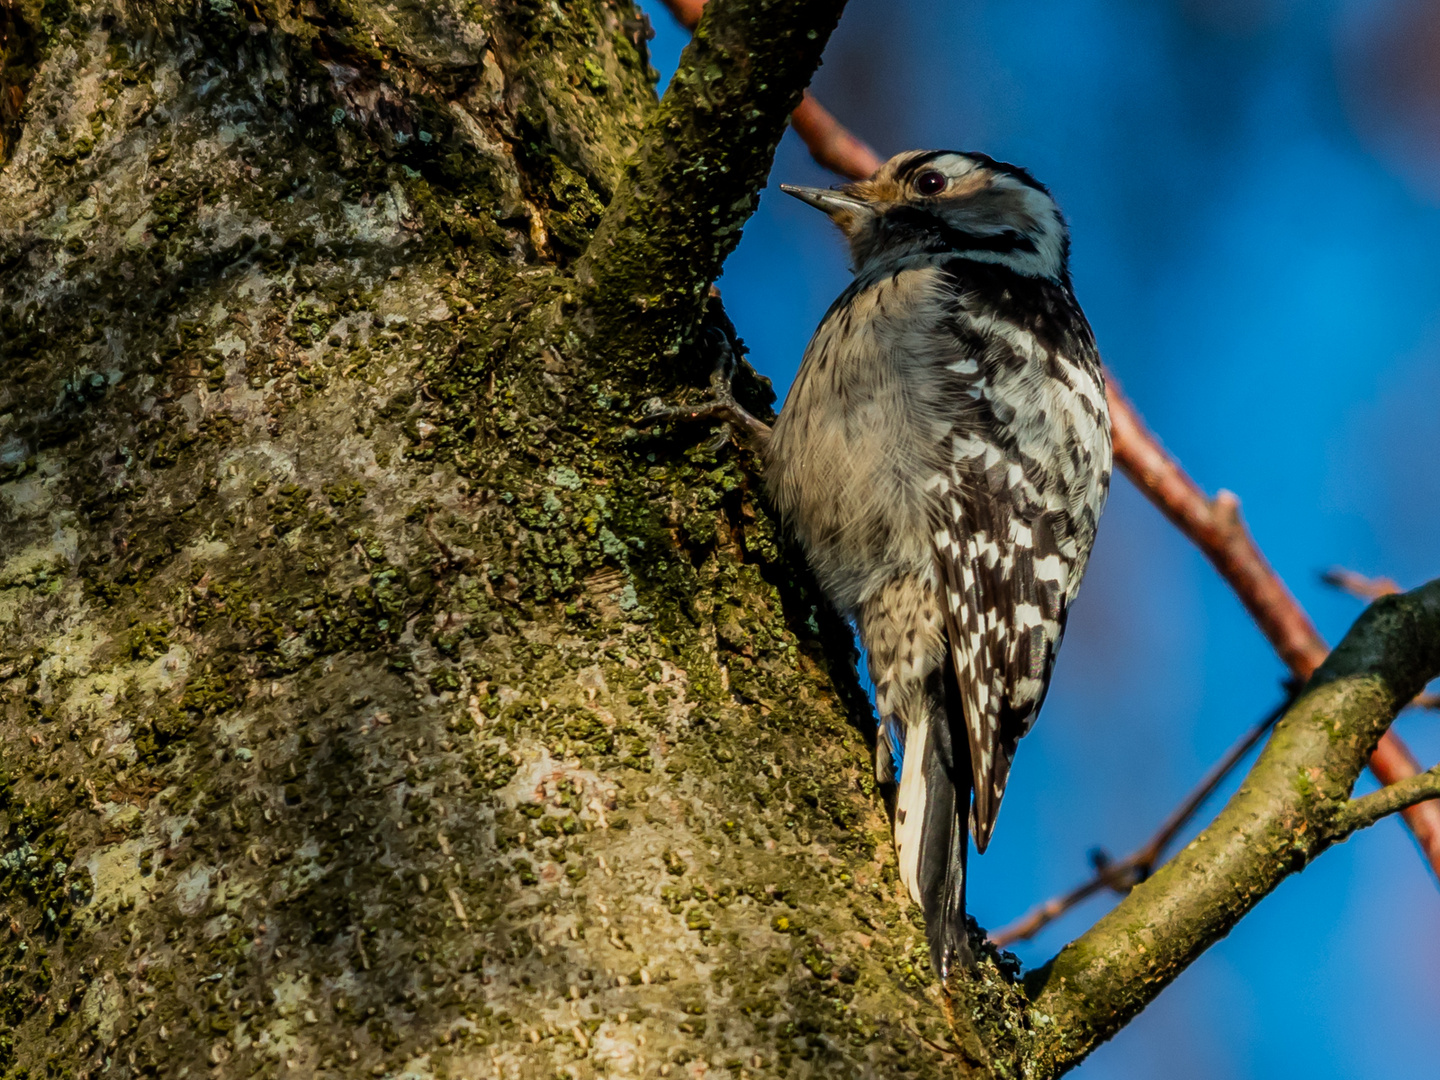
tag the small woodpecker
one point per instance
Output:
(943, 457)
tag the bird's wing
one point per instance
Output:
(1020, 482)
(1007, 587)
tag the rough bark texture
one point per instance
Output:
(372, 701)
(697, 176)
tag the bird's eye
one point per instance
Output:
(930, 183)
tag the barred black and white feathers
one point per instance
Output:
(943, 456)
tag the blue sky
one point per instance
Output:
(1254, 192)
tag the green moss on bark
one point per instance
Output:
(389, 703)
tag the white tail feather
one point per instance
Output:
(910, 806)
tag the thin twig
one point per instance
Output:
(1358, 585)
(1363, 812)
(1212, 525)
(1124, 874)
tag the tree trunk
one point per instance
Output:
(374, 699)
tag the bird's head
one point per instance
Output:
(939, 202)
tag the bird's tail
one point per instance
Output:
(932, 809)
(913, 669)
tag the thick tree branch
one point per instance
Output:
(1293, 805)
(1368, 588)
(1295, 802)
(830, 143)
(703, 158)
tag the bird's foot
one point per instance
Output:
(735, 421)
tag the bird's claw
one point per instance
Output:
(735, 421)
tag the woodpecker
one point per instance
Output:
(943, 457)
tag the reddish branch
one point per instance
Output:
(686, 12)
(1358, 585)
(1216, 528)
(1213, 525)
(829, 143)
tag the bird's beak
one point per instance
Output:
(826, 199)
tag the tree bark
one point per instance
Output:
(374, 700)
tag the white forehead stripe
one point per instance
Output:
(953, 165)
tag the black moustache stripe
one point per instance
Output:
(934, 234)
(1007, 241)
